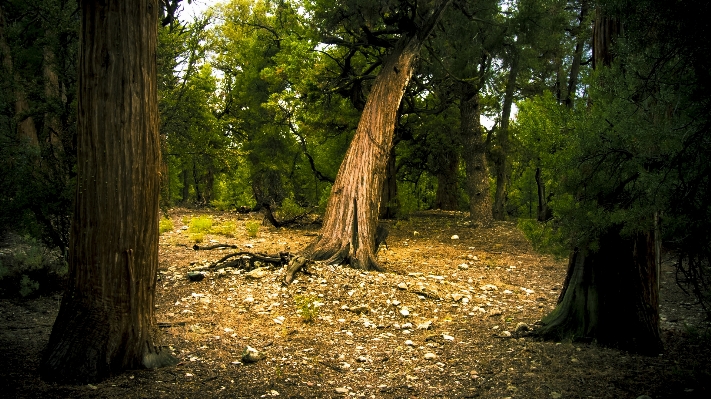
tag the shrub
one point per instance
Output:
(165, 225)
(307, 307)
(252, 228)
(544, 237)
(227, 229)
(28, 268)
(201, 224)
(197, 237)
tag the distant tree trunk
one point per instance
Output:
(350, 221)
(501, 167)
(185, 192)
(544, 212)
(196, 183)
(577, 56)
(388, 201)
(610, 296)
(446, 197)
(106, 321)
(474, 155)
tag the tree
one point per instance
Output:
(106, 321)
(348, 233)
(639, 174)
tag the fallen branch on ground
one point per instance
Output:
(246, 260)
(216, 246)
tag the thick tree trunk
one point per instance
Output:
(106, 321)
(475, 158)
(388, 201)
(185, 192)
(447, 182)
(348, 233)
(610, 296)
(501, 166)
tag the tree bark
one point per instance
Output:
(480, 210)
(388, 201)
(501, 167)
(348, 233)
(610, 296)
(447, 181)
(577, 56)
(106, 321)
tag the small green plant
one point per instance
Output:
(28, 286)
(201, 224)
(227, 229)
(197, 237)
(165, 225)
(252, 228)
(306, 306)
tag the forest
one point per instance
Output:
(372, 198)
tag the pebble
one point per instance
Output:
(409, 343)
(407, 325)
(258, 273)
(402, 286)
(522, 327)
(430, 356)
(463, 266)
(447, 337)
(425, 326)
(250, 355)
(404, 311)
(455, 237)
(342, 390)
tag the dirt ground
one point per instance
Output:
(446, 319)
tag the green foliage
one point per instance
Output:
(227, 228)
(165, 225)
(197, 237)
(306, 306)
(544, 237)
(201, 224)
(252, 228)
(28, 268)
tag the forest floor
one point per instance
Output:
(460, 338)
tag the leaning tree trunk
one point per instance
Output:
(610, 296)
(475, 158)
(350, 221)
(388, 200)
(106, 321)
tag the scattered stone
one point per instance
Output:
(494, 312)
(342, 390)
(409, 343)
(489, 287)
(251, 355)
(455, 237)
(184, 228)
(425, 326)
(430, 356)
(407, 325)
(447, 337)
(359, 309)
(258, 273)
(92, 386)
(556, 395)
(506, 334)
(456, 296)
(463, 266)
(404, 311)
(395, 303)
(522, 327)
(279, 319)
(249, 299)
(361, 359)
(473, 374)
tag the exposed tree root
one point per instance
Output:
(246, 260)
(216, 246)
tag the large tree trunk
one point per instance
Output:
(577, 56)
(475, 158)
(610, 296)
(350, 221)
(388, 201)
(106, 321)
(501, 166)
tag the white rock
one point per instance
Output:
(404, 311)
(361, 359)
(249, 299)
(455, 237)
(447, 337)
(456, 296)
(228, 330)
(463, 266)
(409, 343)
(505, 333)
(395, 302)
(258, 273)
(402, 286)
(250, 355)
(342, 390)
(425, 326)
(279, 319)
(407, 325)
(430, 356)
